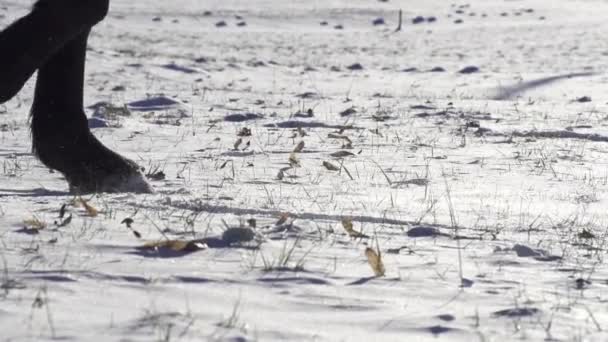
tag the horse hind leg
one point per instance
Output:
(61, 137)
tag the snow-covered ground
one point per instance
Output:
(485, 192)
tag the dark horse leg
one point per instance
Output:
(53, 39)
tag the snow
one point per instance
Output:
(485, 192)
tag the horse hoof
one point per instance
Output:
(134, 182)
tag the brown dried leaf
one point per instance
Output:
(34, 224)
(91, 211)
(293, 160)
(374, 258)
(175, 245)
(237, 143)
(347, 223)
(281, 173)
(282, 219)
(244, 132)
(299, 148)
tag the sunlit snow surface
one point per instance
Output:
(436, 165)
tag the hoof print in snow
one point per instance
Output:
(466, 283)
(338, 27)
(355, 67)
(241, 24)
(458, 21)
(446, 317)
(348, 112)
(179, 68)
(324, 23)
(437, 69)
(204, 60)
(309, 113)
(525, 251)
(516, 312)
(583, 99)
(582, 284)
(98, 123)
(306, 124)
(153, 104)
(469, 70)
(308, 95)
(418, 20)
(418, 232)
(256, 64)
(438, 329)
(378, 22)
(238, 235)
(243, 117)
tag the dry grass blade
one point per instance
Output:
(62, 211)
(293, 160)
(299, 147)
(281, 173)
(64, 222)
(342, 154)
(330, 166)
(374, 258)
(347, 223)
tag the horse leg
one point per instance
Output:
(30, 41)
(53, 39)
(61, 136)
